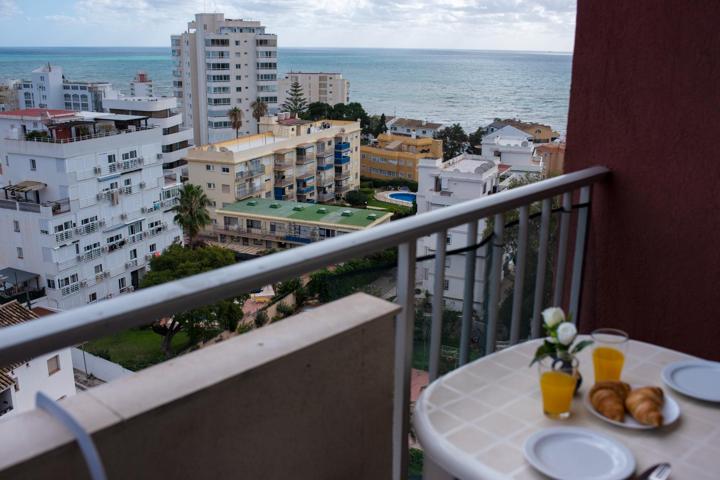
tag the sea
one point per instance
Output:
(469, 87)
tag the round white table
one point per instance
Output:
(472, 423)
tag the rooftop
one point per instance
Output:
(467, 163)
(36, 113)
(293, 121)
(306, 212)
(12, 313)
(413, 123)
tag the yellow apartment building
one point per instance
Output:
(397, 156)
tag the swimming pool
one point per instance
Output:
(407, 197)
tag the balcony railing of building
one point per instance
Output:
(342, 146)
(342, 159)
(247, 189)
(54, 207)
(252, 171)
(80, 138)
(124, 165)
(304, 159)
(64, 329)
(89, 227)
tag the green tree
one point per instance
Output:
(236, 120)
(191, 212)
(261, 318)
(259, 110)
(295, 102)
(318, 111)
(454, 140)
(356, 198)
(177, 262)
(475, 140)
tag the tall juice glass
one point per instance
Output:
(557, 385)
(610, 348)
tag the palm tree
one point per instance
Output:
(191, 212)
(259, 109)
(236, 118)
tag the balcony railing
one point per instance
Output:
(246, 190)
(68, 328)
(252, 171)
(126, 165)
(81, 138)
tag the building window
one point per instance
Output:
(225, 188)
(133, 254)
(98, 268)
(19, 252)
(111, 158)
(122, 283)
(446, 284)
(211, 186)
(50, 283)
(53, 365)
(92, 298)
(153, 247)
(33, 164)
(448, 240)
(210, 168)
(17, 385)
(16, 225)
(225, 169)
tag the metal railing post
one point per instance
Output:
(562, 248)
(579, 257)
(404, 323)
(468, 293)
(519, 275)
(541, 267)
(495, 279)
(437, 305)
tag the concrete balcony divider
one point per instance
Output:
(310, 397)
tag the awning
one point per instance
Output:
(25, 186)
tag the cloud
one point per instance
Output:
(9, 8)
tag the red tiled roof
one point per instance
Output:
(502, 168)
(37, 112)
(12, 313)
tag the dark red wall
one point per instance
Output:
(645, 101)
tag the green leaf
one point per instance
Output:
(580, 345)
(543, 351)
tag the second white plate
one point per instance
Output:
(571, 453)
(670, 411)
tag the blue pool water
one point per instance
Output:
(403, 196)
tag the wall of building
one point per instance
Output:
(96, 366)
(399, 163)
(34, 376)
(328, 88)
(646, 76)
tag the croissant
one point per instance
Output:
(608, 398)
(645, 405)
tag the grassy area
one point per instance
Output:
(390, 207)
(136, 348)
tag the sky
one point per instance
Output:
(533, 25)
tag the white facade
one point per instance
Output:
(510, 146)
(326, 87)
(413, 128)
(162, 112)
(87, 214)
(49, 89)
(51, 373)
(141, 86)
(220, 64)
(462, 178)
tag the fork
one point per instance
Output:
(662, 472)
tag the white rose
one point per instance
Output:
(566, 333)
(553, 316)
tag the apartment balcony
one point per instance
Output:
(90, 255)
(246, 190)
(46, 209)
(326, 196)
(342, 188)
(341, 159)
(251, 172)
(89, 228)
(325, 159)
(342, 147)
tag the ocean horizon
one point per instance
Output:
(469, 87)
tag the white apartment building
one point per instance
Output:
(141, 86)
(441, 184)
(220, 64)
(84, 202)
(51, 373)
(161, 112)
(49, 89)
(511, 147)
(326, 87)
(412, 128)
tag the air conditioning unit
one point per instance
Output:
(148, 256)
(109, 295)
(145, 234)
(142, 184)
(104, 248)
(123, 216)
(83, 283)
(99, 277)
(130, 288)
(143, 210)
(106, 274)
(159, 156)
(128, 264)
(99, 196)
(140, 160)
(97, 170)
(78, 229)
(102, 223)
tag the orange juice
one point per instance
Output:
(608, 363)
(557, 392)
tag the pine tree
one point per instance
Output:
(295, 102)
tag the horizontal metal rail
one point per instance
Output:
(75, 326)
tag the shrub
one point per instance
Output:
(396, 182)
(261, 318)
(243, 328)
(287, 287)
(356, 198)
(285, 310)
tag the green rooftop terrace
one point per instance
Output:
(307, 212)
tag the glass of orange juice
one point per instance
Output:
(557, 385)
(610, 347)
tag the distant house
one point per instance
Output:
(411, 127)
(539, 132)
(51, 373)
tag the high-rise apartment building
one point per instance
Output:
(220, 64)
(49, 89)
(330, 88)
(292, 159)
(84, 202)
(141, 86)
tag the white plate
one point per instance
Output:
(670, 412)
(695, 378)
(571, 453)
